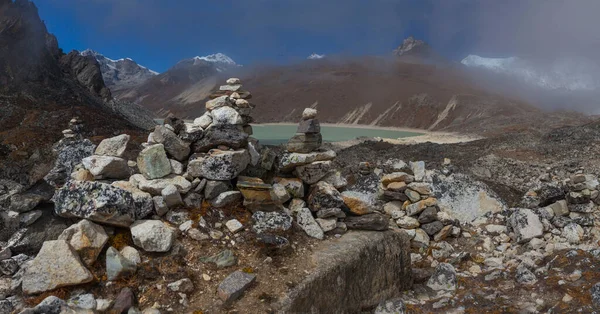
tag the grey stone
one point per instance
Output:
(413, 196)
(418, 169)
(153, 235)
(407, 222)
(231, 136)
(160, 206)
(83, 301)
(525, 276)
(432, 228)
(177, 217)
(22, 203)
(309, 126)
(203, 121)
(102, 305)
(214, 188)
(232, 287)
(232, 88)
(304, 142)
(30, 217)
(560, 208)
(123, 302)
(96, 201)
(191, 132)
(573, 233)
(428, 215)
(443, 278)
(87, 239)
(171, 196)
(193, 200)
(225, 199)
(5, 253)
(391, 307)
(373, 221)
(526, 224)
(331, 212)
(294, 186)
(279, 194)
(234, 225)
(219, 165)
(117, 266)
(595, 292)
(156, 186)
(226, 115)
(176, 167)
(114, 146)
(50, 305)
(107, 167)
(173, 145)
(56, 265)
(307, 222)
(323, 196)
(9, 267)
(217, 103)
(131, 254)
(289, 161)
(69, 152)
(153, 162)
(309, 113)
(184, 285)
(144, 205)
(268, 222)
(358, 203)
(327, 224)
(225, 258)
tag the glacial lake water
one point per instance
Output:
(274, 134)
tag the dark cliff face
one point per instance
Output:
(87, 71)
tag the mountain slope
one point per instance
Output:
(41, 89)
(120, 74)
(180, 89)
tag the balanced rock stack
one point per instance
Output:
(412, 206)
(75, 128)
(308, 136)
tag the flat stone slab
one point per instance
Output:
(357, 271)
(232, 287)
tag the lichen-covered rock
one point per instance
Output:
(87, 238)
(203, 121)
(304, 142)
(289, 161)
(232, 136)
(107, 167)
(294, 186)
(213, 188)
(257, 195)
(114, 146)
(443, 278)
(153, 162)
(525, 224)
(219, 165)
(271, 222)
(156, 186)
(153, 235)
(358, 203)
(225, 199)
(323, 196)
(56, 265)
(335, 178)
(313, 172)
(391, 307)
(226, 115)
(174, 146)
(69, 152)
(144, 205)
(307, 222)
(96, 201)
(191, 132)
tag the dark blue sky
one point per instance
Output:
(158, 33)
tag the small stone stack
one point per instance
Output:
(412, 206)
(75, 128)
(308, 136)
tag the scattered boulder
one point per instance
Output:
(153, 162)
(114, 146)
(153, 235)
(173, 145)
(526, 224)
(56, 265)
(108, 167)
(87, 238)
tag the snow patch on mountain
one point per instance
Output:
(315, 56)
(571, 74)
(217, 58)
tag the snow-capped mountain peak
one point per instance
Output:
(315, 56)
(120, 73)
(563, 73)
(217, 58)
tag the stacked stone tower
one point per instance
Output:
(308, 136)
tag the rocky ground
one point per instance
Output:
(202, 219)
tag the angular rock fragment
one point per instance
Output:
(114, 146)
(232, 287)
(87, 238)
(153, 235)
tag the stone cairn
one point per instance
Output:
(75, 128)
(211, 163)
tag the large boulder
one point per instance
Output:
(114, 146)
(174, 146)
(87, 238)
(96, 201)
(219, 164)
(56, 265)
(377, 264)
(228, 135)
(153, 235)
(107, 167)
(144, 204)
(289, 161)
(153, 162)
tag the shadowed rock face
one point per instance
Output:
(356, 272)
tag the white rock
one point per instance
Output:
(309, 113)
(87, 238)
(56, 265)
(226, 115)
(418, 169)
(305, 220)
(420, 240)
(131, 254)
(153, 235)
(107, 166)
(234, 225)
(526, 224)
(114, 146)
(327, 224)
(176, 167)
(184, 285)
(573, 233)
(171, 196)
(204, 121)
(495, 228)
(408, 223)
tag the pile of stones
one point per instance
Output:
(75, 128)
(413, 208)
(308, 137)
